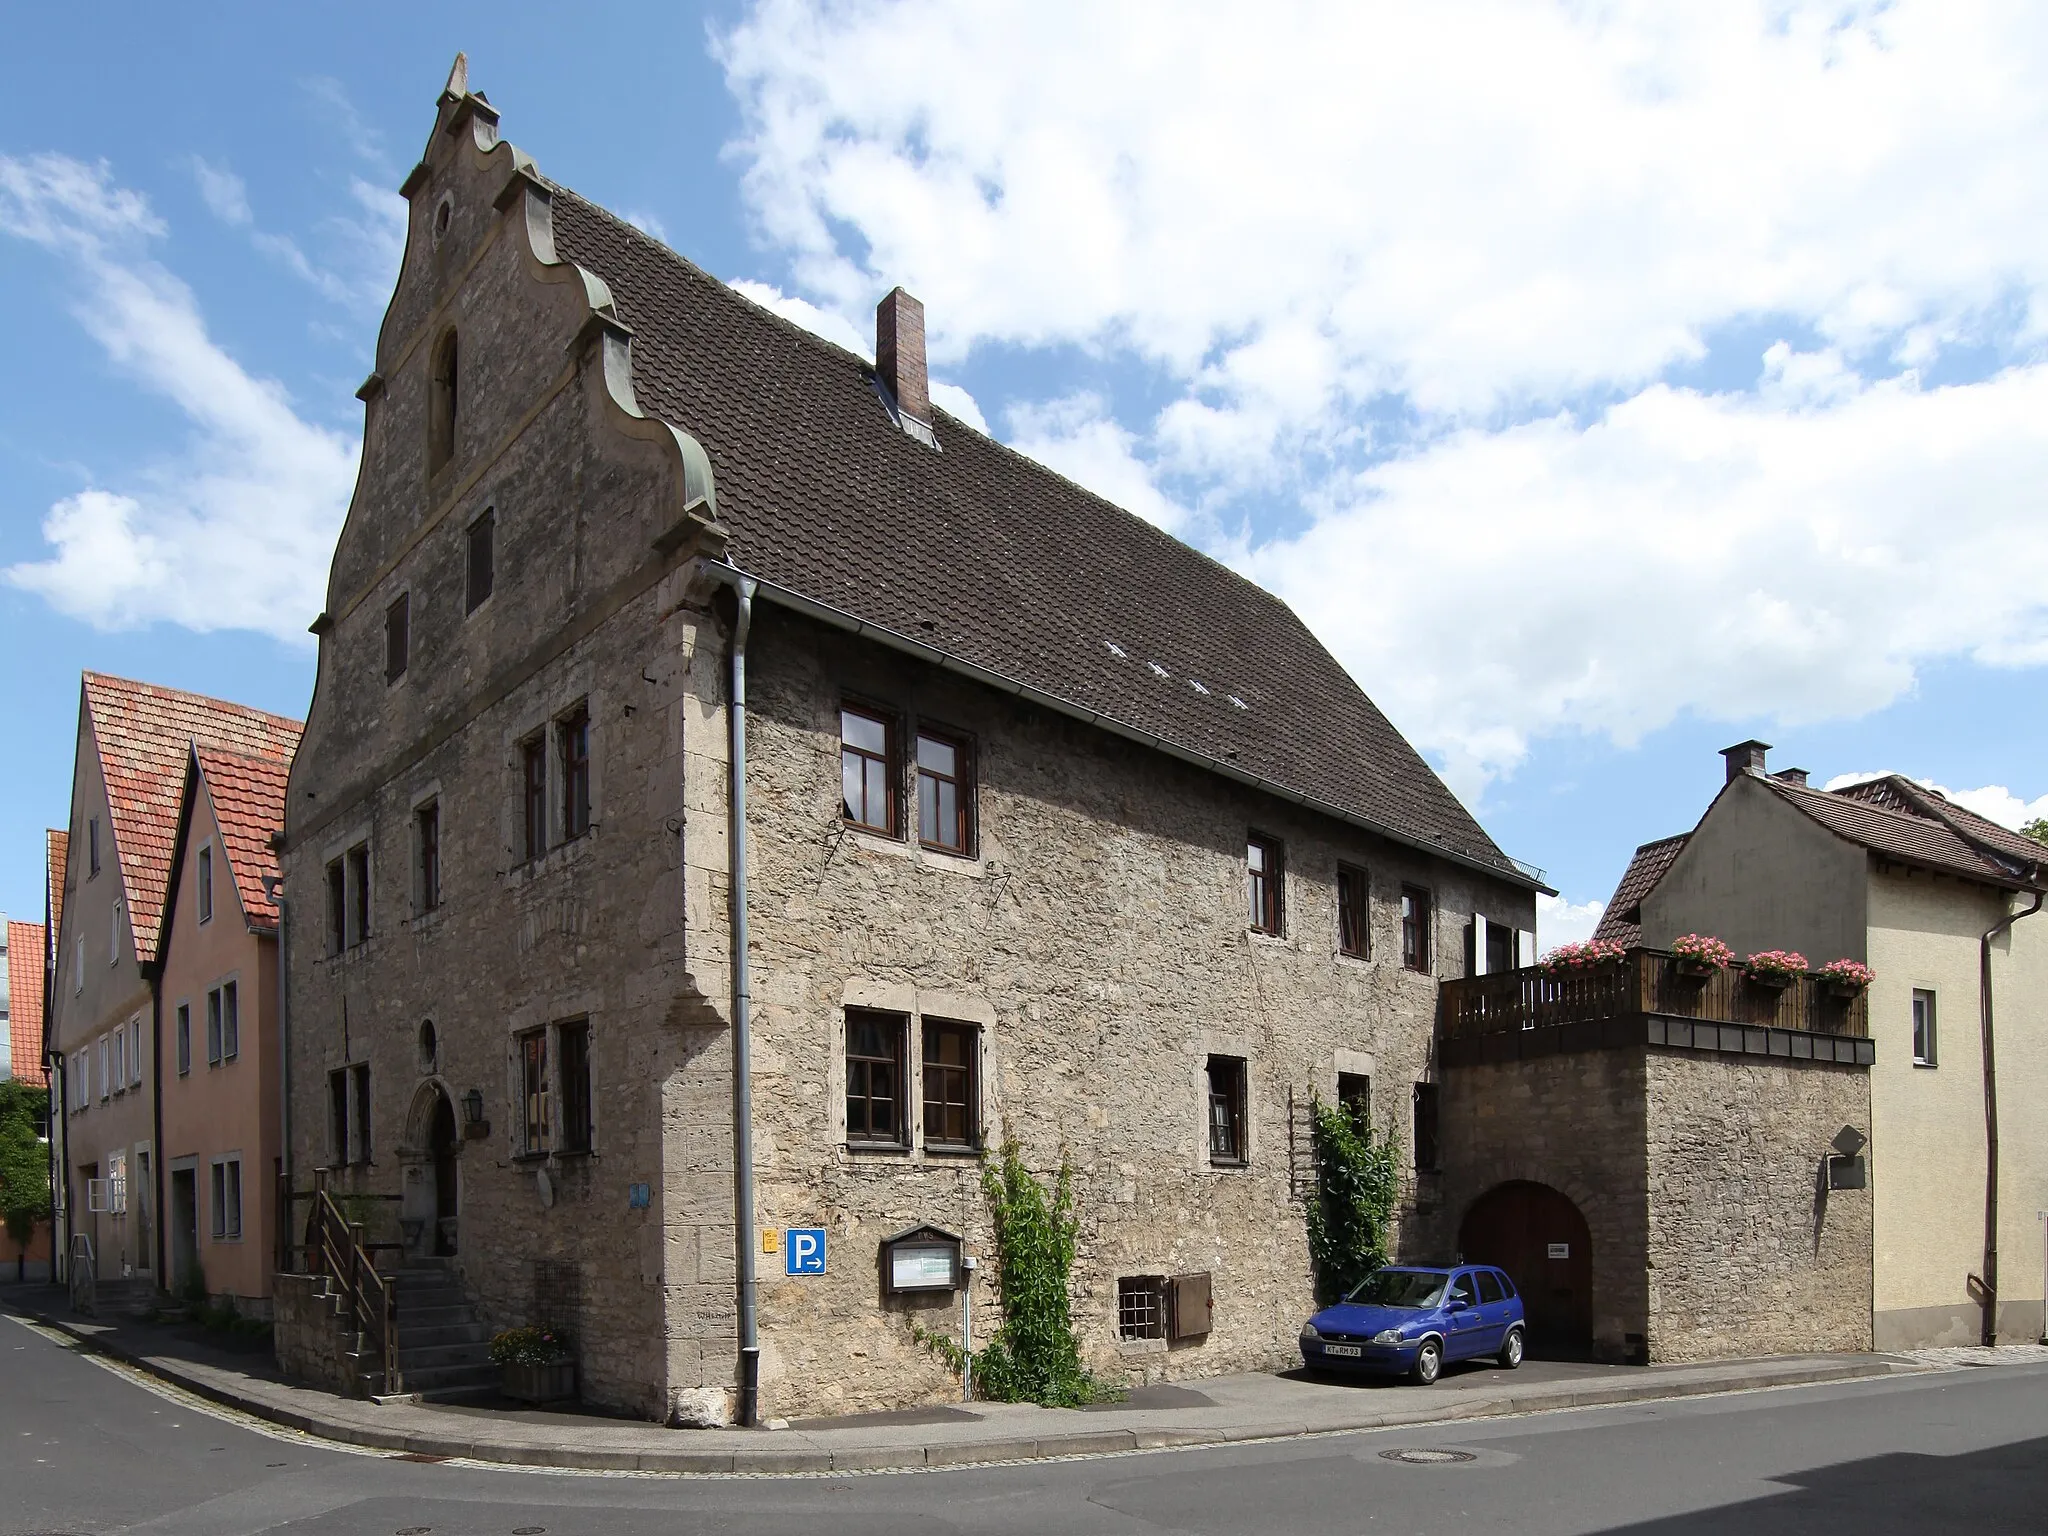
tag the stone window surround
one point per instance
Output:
(216, 1227)
(358, 834)
(585, 1008)
(425, 795)
(1207, 1043)
(548, 706)
(917, 1004)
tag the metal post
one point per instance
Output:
(967, 1330)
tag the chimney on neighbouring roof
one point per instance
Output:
(1744, 757)
(899, 355)
(1791, 776)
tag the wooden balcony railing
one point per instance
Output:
(1643, 982)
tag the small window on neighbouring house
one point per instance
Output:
(359, 893)
(206, 885)
(337, 908)
(874, 1077)
(949, 1082)
(230, 1020)
(536, 1097)
(442, 401)
(533, 778)
(1226, 1089)
(114, 934)
(1428, 1155)
(1354, 912)
(945, 794)
(92, 846)
(1923, 1028)
(572, 734)
(426, 822)
(135, 1052)
(213, 1027)
(397, 637)
(1141, 1307)
(483, 535)
(1415, 928)
(573, 1066)
(226, 1193)
(1354, 1097)
(184, 1038)
(866, 758)
(1263, 877)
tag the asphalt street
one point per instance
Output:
(86, 1446)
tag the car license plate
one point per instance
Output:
(1343, 1349)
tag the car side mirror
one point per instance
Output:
(1459, 1304)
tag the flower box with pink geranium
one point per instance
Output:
(1581, 959)
(1776, 969)
(1699, 956)
(1846, 978)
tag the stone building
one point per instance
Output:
(104, 1020)
(1934, 899)
(1054, 829)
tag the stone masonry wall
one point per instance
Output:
(1574, 1122)
(310, 1347)
(1750, 1252)
(1097, 937)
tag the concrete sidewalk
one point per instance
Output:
(1212, 1411)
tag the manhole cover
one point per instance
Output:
(1418, 1456)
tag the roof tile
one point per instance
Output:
(25, 1001)
(248, 805)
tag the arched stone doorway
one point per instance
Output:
(1540, 1238)
(431, 1204)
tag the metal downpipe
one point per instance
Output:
(1989, 1333)
(742, 999)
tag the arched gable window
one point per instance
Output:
(441, 404)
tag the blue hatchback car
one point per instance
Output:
(1415, 1319)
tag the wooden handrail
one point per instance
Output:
(335, 1249)
(1643, 981)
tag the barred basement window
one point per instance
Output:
(1141, 1307)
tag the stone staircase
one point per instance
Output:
(443, 1346)
(131, 1297)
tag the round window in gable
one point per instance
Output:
(443, 212)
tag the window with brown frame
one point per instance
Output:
(536, 1097)
(1264, 874)
(1354, 1097)
(533, 785)
(1415, 928)
(397, 637)
(572, 1054)
(874, 1077)
(573, 734)
(1354, 912)
(1226, 1110)
(950, 1118)
(945, 794)
(866, 762)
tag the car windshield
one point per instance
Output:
(1399, 1288)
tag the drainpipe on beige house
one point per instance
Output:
(1990, 1275)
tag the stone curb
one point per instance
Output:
(768, 1460)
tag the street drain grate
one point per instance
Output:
(1418, 1456)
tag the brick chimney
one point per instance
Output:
(899, 355)
(1745, 757)
(1791, 776)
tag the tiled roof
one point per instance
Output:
(25, 1001)
(1902, 794)
(144, 734)
(1622, 919)
(248, 803)
(1913, 839)
(993, 559)
(57, 843)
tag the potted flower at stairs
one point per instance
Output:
(536, 1364)
(1699, 956)
(1846, 979)
(1775, 969)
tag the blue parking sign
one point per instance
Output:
(803, 1251)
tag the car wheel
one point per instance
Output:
(1429, 1362)
(1511, 1349)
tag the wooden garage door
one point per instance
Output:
(1538, 1236)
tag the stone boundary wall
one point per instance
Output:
(309, 1345)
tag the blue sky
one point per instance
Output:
(1603, 388)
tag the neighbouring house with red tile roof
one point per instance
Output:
(1944, 906)
(21, 1039)
(218, 985)
(105, 1031)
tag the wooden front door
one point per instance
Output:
(1538, 1236)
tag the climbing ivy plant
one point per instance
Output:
(1358, 1184)
(1033, 1356)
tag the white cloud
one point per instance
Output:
(646, 223)
(1559, 921)
(1431, 274)
(236, 531)
(225, 193)
(1994, 802)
